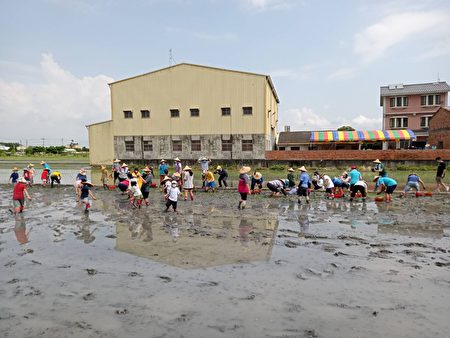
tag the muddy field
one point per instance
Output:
(275, 269)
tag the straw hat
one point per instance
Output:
(117, 160)
(187, 168)
(176, 159)
(176, 175)
(376, 178)
(124, 165)
(291, 170)
(146, 170)
(15, 169)
(203, 159)
(257, 175)
(377, 161)
(82, 171)
(166, 178)
(218, 167)
(87, 183)
(244, 170)
(302, 168)
(42, 162)
(102, 167)
(162, 161)
(22, 179)
(31, 165)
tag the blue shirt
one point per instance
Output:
(413, 178)
(14, 177)
(387, 181)
(163, 168)
(305, 180)
(355, 176)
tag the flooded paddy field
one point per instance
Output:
(276, 269)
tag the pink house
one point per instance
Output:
(412, 106)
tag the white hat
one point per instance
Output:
(302, 168)
(291, 170)
(116, 160)
(22, 180)
(176, 159)
(377, 161)
(244, 170)
(187, 168)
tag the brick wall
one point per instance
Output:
(358, 155)
(440, 129)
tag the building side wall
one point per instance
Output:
(101, 149)
(184, 87)
(440, 129)
(211, 146)
(271, 129)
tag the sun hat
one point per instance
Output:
(124, 165)
(102, 167)
(87, 183)
(117, 160)
(42, 162)
(291, 170)
(176, 174)
(22, 179)
(15, 169)
(257, 175)
(302, 168)
(163, 160)
(146, 170)
(31, 165)
(203, 158)
(244, 170)
(377, 161)
(218, 167)
(376, 178)
(166, 178)
(187, 168)
(176, 159)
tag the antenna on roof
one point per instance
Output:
(171, 59)
(438, 79)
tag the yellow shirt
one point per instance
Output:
(209, 176)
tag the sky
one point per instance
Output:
(327, 59)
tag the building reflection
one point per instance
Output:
(191, 241)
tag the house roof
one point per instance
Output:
(269, 80)
(286, 138)
(413, 89)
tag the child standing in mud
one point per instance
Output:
(86, 195)
(136, 197)
(243, 186)
(19, 194)
(105, 175)
(172, 196)
(14, 176)
(188, 183)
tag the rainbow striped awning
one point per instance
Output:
(363, 135)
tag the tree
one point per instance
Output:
(346, 128)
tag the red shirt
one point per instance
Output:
(18, 191)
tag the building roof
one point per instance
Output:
(286, 138)
(414, 89)
(269, 80)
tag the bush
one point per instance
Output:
(278, 167)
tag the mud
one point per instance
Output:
(275, 269)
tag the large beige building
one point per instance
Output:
(188, 111)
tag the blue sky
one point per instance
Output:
(326, 58)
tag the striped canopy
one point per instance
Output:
(364, 135)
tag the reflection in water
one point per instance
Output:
(192, 241)
(303, 221)
(85, 234)
(20, 229)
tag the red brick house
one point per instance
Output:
(439, 129)
(412, 106)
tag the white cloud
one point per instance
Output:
(362, 122)
(56, 105)
(374, 41)
(305, 119)
(269, 4)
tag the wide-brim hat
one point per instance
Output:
(291, 170)
(302, 168)
(257, 175)
(124, 165)
(377, 161)
(166, 178)
(177, 159)
(163, 160)
(22, 180)
(116, 160)
(42, 162)
(87, 183)
(15, 169)
(31, 165)
(203, 158)
(376, 178)
(187, 168)
(218, 167)
(102, 167)
(146, 170)
(176, 174)
(244, 170)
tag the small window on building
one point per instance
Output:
(281, 148)
(128, 114)
(247, 110)
(148, 145)
(195, 112)
(196, 145)
(129, 145)
(295, 148)
(398, 122)
(174, 113)
(226, 111)
(399, 101)
(145, 114)
(424, 121)
(430, 100)
(177, 146)
(227, 145)
(247, 145)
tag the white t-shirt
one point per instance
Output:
(135, 190)
(173, 193)
(327, 182)
(188, 180)
(362, 183)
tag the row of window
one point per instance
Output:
(177, 146)
(195, 112)
(402, 122)
(425, 100)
